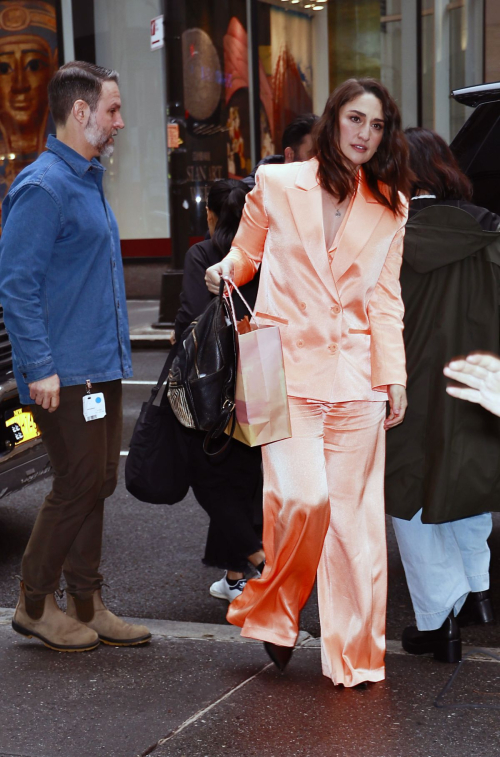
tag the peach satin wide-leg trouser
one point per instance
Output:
(324, 514)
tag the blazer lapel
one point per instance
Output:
(365, 213)
(307, 211)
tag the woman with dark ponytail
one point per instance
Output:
(228, 486)
(225, 201)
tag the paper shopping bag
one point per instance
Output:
(262, 414)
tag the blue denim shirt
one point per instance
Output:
(61, 274)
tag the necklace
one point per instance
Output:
(338, 209)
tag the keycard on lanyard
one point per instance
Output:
(94, 405)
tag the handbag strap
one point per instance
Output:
(161, 380)
(209, 437)
(219, 426)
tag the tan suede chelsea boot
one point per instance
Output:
(111, 629)
(44, 620)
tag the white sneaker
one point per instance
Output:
(222, 590)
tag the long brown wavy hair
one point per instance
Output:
(389, 165)
(435, 167)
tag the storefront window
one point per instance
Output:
(354, 39)
(216, 99)
(136, 175)
(29, 51)
(365, 40)
(285, 53)
(443, 51)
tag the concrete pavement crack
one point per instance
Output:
(203, 711)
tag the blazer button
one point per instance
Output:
(300, 343)
(333, 348)
(303, 306)
(335, 310)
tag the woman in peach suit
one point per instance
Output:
(328, 236)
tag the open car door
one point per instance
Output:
(477, 144)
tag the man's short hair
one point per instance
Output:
(77, 80)
(299, 128)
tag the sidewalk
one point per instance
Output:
(201, 691)
(141, 314)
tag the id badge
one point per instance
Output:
(94, 406)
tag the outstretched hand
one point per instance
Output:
(480, 372)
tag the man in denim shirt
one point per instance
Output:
(63, 294)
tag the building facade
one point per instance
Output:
(215, 98)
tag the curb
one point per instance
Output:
(175, 629)
(153, 338)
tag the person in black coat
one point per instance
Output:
(443, 462)
(229, 485)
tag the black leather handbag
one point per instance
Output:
(157, 469)
(202, 378)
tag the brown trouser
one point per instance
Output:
(67, 535)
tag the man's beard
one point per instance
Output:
(98, 137)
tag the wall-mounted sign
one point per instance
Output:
(157, 33)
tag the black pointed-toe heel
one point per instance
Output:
(445, 642)
(477, 610)
(281, 656)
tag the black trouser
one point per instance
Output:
(67, 534)
(229, 489)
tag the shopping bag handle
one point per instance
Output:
(229, 296)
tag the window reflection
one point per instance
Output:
(390, 46)
(427, 72)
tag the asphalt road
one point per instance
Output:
(152, 554)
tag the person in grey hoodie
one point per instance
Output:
(442, 471)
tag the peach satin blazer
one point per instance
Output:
(340, 312)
